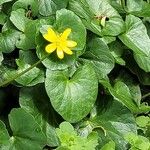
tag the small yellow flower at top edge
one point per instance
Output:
(59, 42)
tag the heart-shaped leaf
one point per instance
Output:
(92, 12)
(78, 35)
(135, 33)
(63, 92)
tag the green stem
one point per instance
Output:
(123, 4)
(146, 95)
(23, 72)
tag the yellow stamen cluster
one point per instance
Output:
(59, 42)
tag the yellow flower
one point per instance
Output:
(59, 42)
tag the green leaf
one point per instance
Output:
(70, 140)
(143, 121)
(105, 82)
(2, 18)
(65, 127)
(62, 92)
(137, 141)
(33, 76)
(108, 39)
(62, 148)
(4, 1)
(91, 12)
(78, 35)
(143, 77)
(99, 55)
(4, 136)
(52, 61)
(133, 5)
(115, 121)
(38, 106)
(133, 86)
(1, 57)
(49, 7)
(109, 146)
(145, 12)
(27, 133)
(143, 61)
(92, 141)
(135, 33)
(27, 40)
(121, 92)
(8, 25)
(8, 40)
(117, 5)
(18, 19)
(30, 5)
(138, 8)
(117, 50)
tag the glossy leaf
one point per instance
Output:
(143, 61)
(30, 5)
(98, 54)
(116, 120)
(134, 88)
(3, 17)
(18, 19)
(8, 40)
(109, 146)
(91, 12)
(1, 57)
(135, 33)
(62, 92)
(138, 142)
(4, 1)
(78, 35)
(125, 97)
(95, 99)
(38, 106)
(138, 8)
(4, 136)
(49, 7)
(143, 121)
(32, 77)
(117, 51)
(27, 134)
(133, 5)
(143, 77)
(27, 39)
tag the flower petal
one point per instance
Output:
(65, 34)
(50, 35)
(67, 50)
(60, 53)
(50, 48)
(71, 43)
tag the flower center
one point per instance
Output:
(60, 42)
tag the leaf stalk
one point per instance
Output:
(23, 72)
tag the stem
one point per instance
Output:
(146, 95)
(123, 4)
(23, 72)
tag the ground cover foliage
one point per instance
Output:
(74, 74)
